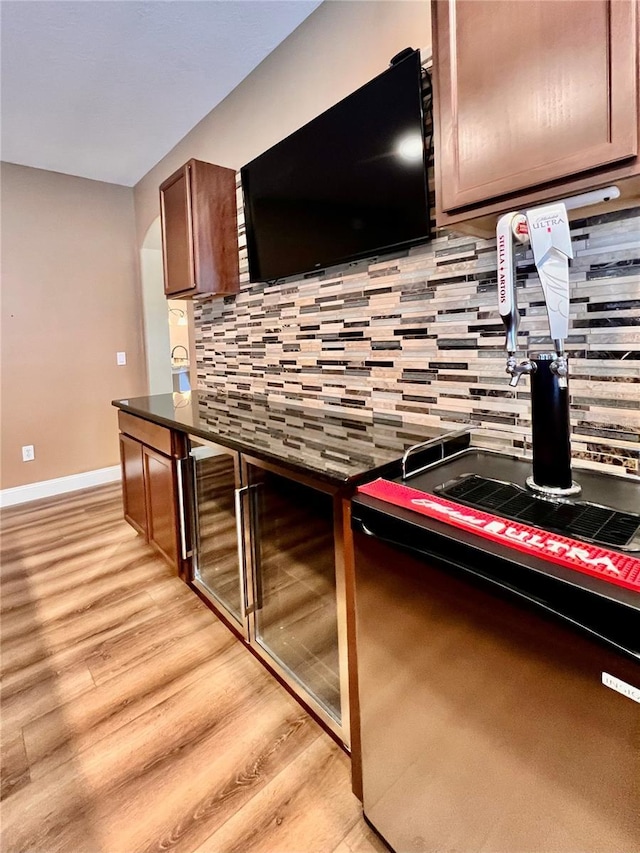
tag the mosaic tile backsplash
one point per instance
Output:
(417, 336)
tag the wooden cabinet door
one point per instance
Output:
(200, 231)
(162, 513)
(177, 235)
(530, 92)
(214, 221)
(133, 491)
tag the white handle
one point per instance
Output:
(551, 244)
(594, 197)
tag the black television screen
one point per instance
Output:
(350, 184)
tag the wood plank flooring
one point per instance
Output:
(132, 719)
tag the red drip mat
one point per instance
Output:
(612, 566)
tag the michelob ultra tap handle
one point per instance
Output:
(551, 244)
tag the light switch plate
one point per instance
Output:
(121, 358)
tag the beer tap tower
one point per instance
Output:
(547, 229)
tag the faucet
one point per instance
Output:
(181, 358)
(547, 229)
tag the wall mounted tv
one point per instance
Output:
(350, 184)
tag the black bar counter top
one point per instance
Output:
(605, 610)
(342, 450)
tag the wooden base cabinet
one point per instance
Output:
(532, 101)
(133, 491)
(162, 511)
(151, 489)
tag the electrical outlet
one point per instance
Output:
(28, 453)
(121, 358)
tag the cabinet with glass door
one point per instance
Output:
(267, 559)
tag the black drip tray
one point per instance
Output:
(588, 521)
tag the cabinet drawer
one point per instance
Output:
(158, 437)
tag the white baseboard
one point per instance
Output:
(58, 486)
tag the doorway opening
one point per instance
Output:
(168, 324)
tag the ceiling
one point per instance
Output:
(104, 89)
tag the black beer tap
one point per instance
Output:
(547, 229)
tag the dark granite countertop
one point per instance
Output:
(339, 449)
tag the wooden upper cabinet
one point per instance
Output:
(531, 93)
(199, 231)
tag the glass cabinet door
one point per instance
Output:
(216, 564)
(294, 583)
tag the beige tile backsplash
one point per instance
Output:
(418, 336)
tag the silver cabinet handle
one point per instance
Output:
(242, 568)
(182, 520)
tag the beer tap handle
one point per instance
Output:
(517, 370)
(551, 244)
(560, 365)
(510, 226)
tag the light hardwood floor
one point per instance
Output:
(132, 720)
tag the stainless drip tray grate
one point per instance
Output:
(588, 521)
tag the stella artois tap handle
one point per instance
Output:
(511, 226)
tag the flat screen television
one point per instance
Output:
(350, 184)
